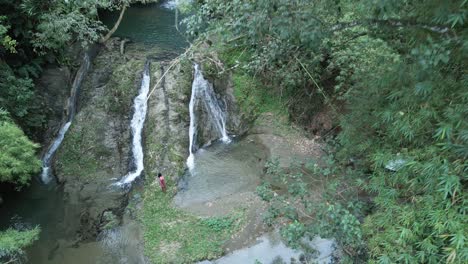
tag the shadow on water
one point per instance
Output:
(41, 205)
(59, 218)
(150, 24)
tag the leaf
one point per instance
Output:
(423, 88)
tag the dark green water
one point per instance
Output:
(149, 24)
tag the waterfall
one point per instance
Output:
(190, 159)
(46, 176)
(169, 4)
(203, 90)
(140, 104)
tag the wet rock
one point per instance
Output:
(95, 151)
(166, 129)
(109, 220)
(235, 125)
(52, 87)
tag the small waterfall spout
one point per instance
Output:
(46, 175)
(203, 90)
(140, 105)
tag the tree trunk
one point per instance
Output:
(122, 46)
(116, 25)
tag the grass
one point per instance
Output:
(174, 236)
(253, 97)
(78, 155)
(122, 86)
(249, 90)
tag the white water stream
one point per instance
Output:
(169, 4)
(202, 90)
(140, 104)
(46, 175)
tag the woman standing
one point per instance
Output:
(162, 182)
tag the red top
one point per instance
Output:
(162, 182)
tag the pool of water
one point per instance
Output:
(41, 205)
(151, 24)
(271, 249)
(59, 220)
(220, 170)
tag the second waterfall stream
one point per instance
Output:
(202, 91)
(46, 175)
(140, 105)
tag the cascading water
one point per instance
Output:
(46, 176)
(202, 89)
(140, 106)
(169, 4)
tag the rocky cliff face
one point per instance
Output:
(96, 150)
(166, 129)
(235, 126)
(168, 117)
(52, 85)
(223, 86)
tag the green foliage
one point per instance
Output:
(33, 33)
(398, 70)
(293, 232)
(18, 97)
(219, 224)
(414, 111)
(58, 23)
(18, 155)
(5, 40)
(330, 210)
(12, 242)
(123, 81)
(265, 192)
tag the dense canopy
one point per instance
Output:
(395, 74)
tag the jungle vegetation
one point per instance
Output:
(393, 74)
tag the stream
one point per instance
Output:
(46, 175)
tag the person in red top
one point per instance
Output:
(162, 183)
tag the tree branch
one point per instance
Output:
(116, 25)
(391, 23)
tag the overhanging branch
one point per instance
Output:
(392, 23)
